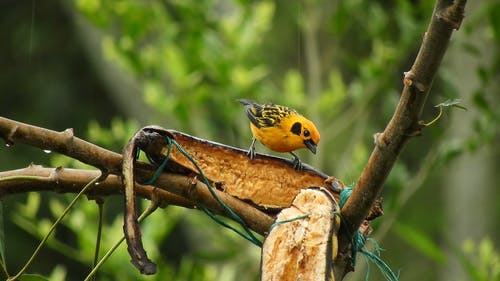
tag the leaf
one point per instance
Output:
(420, 241)
(480, 101)
(468, 256)
(472, 49)
(470, 269)
(495, 21)
(33, 277)
(58, 273)
(453, 103)
(452, 150)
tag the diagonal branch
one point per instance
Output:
(446, 17)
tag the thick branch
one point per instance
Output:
(185, 186)
(36, 178)
(404, 124)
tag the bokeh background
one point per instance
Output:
(106, 68)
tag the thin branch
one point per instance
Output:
(53, 227)
(149, 210)
(404, 124)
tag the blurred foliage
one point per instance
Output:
(189, 57)
(415, 238)
(480, 259)
(339, 62)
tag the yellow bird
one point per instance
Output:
(281, 129)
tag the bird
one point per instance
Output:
(281, 129)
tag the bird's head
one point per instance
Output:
(307, 132)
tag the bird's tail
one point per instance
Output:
(246, 102)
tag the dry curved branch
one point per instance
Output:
(131, 227)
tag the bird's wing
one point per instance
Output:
(267, 115)
(254, 112)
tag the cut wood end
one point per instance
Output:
(303, 248)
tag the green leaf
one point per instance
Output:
(58, 273)
(30, 209)
(56, 207)
(478, 259)
(33, 277)
(470, 269)
(453, 103)
(452, 150)
(472, 49)
(480, 101)
(494, 10)
(420, 241)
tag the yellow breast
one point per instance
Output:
(277, 138)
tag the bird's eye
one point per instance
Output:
(306, 133)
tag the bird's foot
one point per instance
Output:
(296, 163)
(251, 150)
(251, 153)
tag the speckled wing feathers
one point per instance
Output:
(267, 115)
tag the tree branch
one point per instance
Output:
(184, 186)
(36, 178)
(405, 123)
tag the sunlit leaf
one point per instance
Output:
(56, 208)
(479, 259)
(469, 268)
(30, 209)
(58, 273)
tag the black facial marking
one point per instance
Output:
(296, 128)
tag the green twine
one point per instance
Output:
(358, 245)
(162, 164)
(277, 223)
(344, 195)
(247, 234)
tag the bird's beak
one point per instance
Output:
(310, 145)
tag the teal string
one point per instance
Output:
(277, 223)
(247, 234)
(358, 245)
(344, 195)
(161, 167)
